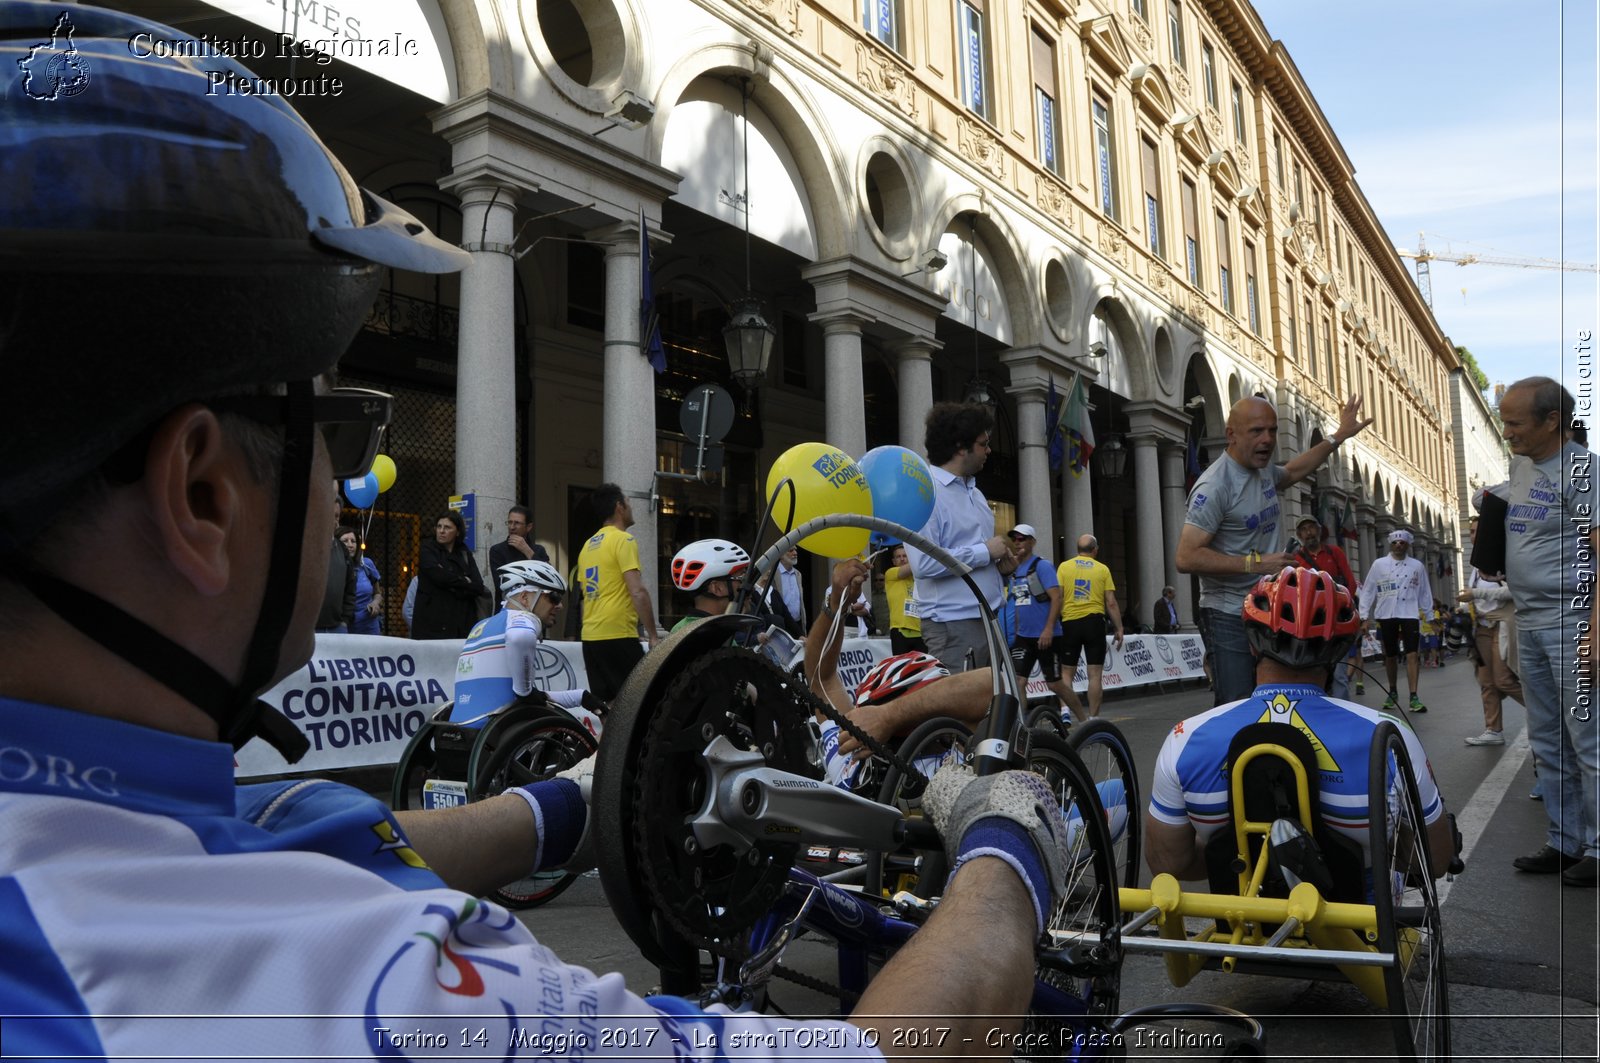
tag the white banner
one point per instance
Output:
(361, 697)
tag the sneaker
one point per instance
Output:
(1417, 705)
(1389, 704)
(1298, 858)
(1361, 688)
(1488, 738)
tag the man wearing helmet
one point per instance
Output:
(711, 570)
(500, 658)
(1394, 595)
(210, 268)
(1299, 623)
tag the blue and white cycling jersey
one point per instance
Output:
(1190, 785)
(150, 908)
(498, 663)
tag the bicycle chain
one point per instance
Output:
(907, 771)
(816, 985)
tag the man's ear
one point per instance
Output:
(192, 488)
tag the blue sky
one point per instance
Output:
(1456, 117)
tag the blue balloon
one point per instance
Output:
(362, 491)
(901, 485)
(883, 540)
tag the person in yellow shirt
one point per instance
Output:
(1088, 601)
(905, 620)
(616, 603)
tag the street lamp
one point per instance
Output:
(748, 334)
(1111, 459)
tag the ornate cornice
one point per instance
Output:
(977, 142)
(785, 14)
(885, 78)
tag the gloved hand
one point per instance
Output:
(1013, 816)
(594, 704)
(534, 698)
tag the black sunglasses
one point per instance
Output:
(351, 421)
(553, 597)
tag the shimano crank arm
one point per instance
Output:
(746, 801)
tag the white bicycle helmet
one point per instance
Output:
(706, 560)
(538, 576)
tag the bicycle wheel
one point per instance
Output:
(922, 871)
(1109, 761)
(1087, 916)
(527, 753)
(1407, 903)
(416, 766)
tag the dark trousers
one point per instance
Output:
(608, 662)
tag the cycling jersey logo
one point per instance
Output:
(394, 843)
(591, 581)
(1281, 710)
(1080, 590)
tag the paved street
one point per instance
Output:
(1521, 948)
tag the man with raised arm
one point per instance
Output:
(1232, 530)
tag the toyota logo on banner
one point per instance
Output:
(552, 672)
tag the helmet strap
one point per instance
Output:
(238, 713)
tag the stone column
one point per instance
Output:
(1077, 506)
(914, 359)
(486, 384)
(1033, 467)
(846, 425)
(629, 427)
(1174, 496)
(1148, 524)
(1367, 534)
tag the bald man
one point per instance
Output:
(1233, 530)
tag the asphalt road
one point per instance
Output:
(1521, 949)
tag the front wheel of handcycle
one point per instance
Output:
(1105, 754)
(1407, 903)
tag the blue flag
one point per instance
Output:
(649, 319)
(1055, 439)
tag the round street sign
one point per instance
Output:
(708, 405)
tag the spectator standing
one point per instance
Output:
(1089, 600)
(339, 598)
(518, 546)
(1493, 647)
(616, 603)
(905, 617)
(1231, 530)
(1550, 540)
(1329, 558)
(1035, 593)
(1165, 621)
(1394, 598)
(449, 585)
(785, 594)
(369, 600)
(957, 441)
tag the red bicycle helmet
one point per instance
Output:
(897, 675)
(1300, 618)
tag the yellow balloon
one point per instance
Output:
(826, 481)
(383, 468)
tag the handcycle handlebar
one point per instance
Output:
(996, 741)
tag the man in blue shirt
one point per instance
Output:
(957, 442)
(1036, 594)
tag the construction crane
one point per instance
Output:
(1424, 256)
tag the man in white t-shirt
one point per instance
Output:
(1394, 596)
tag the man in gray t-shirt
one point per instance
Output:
(1551, 547)
(1232, 532)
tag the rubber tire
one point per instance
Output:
(1419, 992)
(1091, 904)
(414, 766)
(527, 752)
(1106, 755)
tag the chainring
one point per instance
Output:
(714, 895)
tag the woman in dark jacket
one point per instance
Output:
(448, 584)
